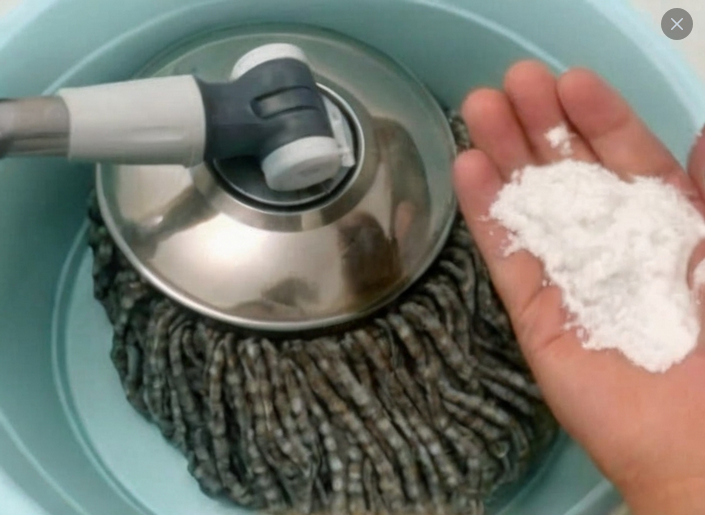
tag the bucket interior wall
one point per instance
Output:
(47, 450)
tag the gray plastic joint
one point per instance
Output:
(272, 105)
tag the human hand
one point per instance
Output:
(644, 431)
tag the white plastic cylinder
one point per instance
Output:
(149, 121)
(302, 164)
(266, 53)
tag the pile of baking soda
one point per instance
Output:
(619, 252)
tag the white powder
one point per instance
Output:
(559, 137)
(618, 251)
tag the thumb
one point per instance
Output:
(534, 308)
(696, 163)
(696, 268)
(696, 281)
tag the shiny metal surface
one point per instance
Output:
(302, 266)
(34, 127)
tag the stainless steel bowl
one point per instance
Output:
(216, 240)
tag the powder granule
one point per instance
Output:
(559, 138)
(618, 251)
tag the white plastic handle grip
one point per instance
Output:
(148, 121)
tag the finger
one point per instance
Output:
(532, 90)
(613, 130)
(519, 277)
(495, 130)
(696, 281)
(696, 165)
(696, 267)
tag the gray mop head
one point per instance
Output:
(426, 407)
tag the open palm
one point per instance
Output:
(645, 431)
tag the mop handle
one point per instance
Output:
(271, 109)
(34, 127)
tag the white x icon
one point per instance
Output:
(677, 24)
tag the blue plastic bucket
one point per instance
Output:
(69, 443)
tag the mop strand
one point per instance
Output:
(427, 407)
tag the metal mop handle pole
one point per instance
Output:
(34, 127)
(271, 109)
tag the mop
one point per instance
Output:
(425, 407)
